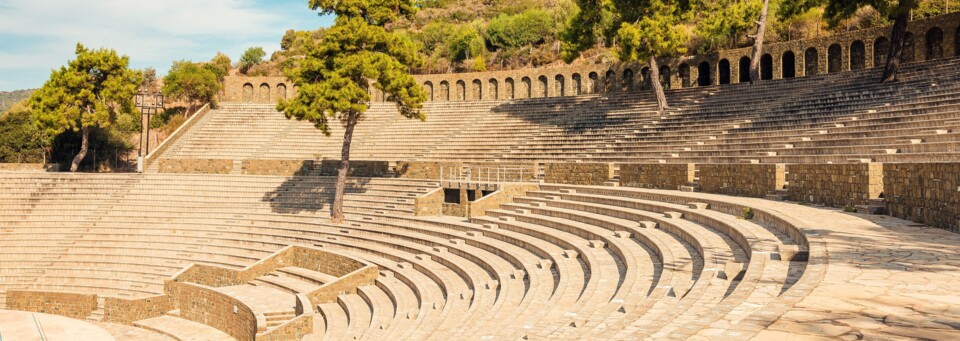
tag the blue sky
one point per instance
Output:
(37, 36)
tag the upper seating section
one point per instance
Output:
(825, 118)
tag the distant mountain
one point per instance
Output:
(9, 98)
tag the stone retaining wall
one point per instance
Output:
(430, 204)
(503, 195)
(927, 193)
(34, 167)
(585, 174)
(77, 306)
(363, 169)
(196, 166)
(835, 185)
(657, 175)
(125, 311)
(277, 167)
(204, 305)
(751, 180)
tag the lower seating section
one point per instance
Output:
(560, 262)
(818, 119)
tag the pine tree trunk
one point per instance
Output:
(655, 84)
(758, 43)
(83, 149)
(897, 39)
(336, 212)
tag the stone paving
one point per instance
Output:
(26, 326)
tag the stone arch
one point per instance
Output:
(428, 88)
(248, 92)
(445, 90)
(281, 91)
(881, 47)
(909, 53)
(476, 91)
(608, 81)
(645, 78)
(788, 65)
(264, 93)
(684, 73)
(526, 89)
(811, 62)
(766, 67)
(858, 55)
(956, 42)
(834, 58)
(544, 89)
(665, 77)
(934, 43)
(494, 89)
(461, 91)
(744, 69)
(510, 94)
(627, 81)
(723, 71)
(593, 82)
(577, 84)
(703, 74)
(560, 85)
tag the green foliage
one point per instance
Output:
(91, 91)
(20, 139)
(510, 31)
(466, 44)
(655, 34)
(251, 57)
(746, 214)
(358, 53)
(192, 83)
(220, 65)
(720, 23)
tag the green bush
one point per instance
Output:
(747, 213)
(466, 44)
(509, 31)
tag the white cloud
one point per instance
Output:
(41, 34)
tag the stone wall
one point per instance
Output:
(32, 167)
(835, 185)
(126, 311)
(294, 329)
(196, 166)
(277, 167)
(77, 306)
(503, 195)
(430, 204)
(657, 175)
(204, 305)
(927, 193)
(423, 170)
(797, 58)
(751, 180)
(587, 174)
(358, 168)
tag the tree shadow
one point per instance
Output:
(574, 114)
(310, 194)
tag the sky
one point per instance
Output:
(37, 36)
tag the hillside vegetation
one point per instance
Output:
(9, 98)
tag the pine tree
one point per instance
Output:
(90, 91)
(356, 54)
(646, 30)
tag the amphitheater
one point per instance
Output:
(557, 208)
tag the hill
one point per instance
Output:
(9, 98)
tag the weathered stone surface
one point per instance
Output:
(927, 193)
(751, 180)
(77, 306)
(196, 166)
(657, 175)
(835, 185)
(277, 167)
(594, 174)
(358, 168)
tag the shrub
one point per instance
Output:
(508, 31)
(747, 213)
